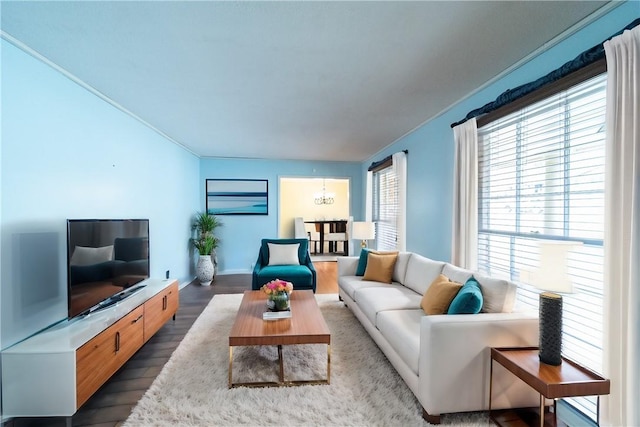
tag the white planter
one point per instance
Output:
(204, 270)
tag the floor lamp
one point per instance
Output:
(363, 230)
(552, 277)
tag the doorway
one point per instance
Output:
(298, 196)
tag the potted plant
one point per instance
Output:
(206, 243)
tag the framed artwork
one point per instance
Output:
(237, 196)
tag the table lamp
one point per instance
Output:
(552, 277)
(362, 230)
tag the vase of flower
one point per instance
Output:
(278, 292)
(278, 301)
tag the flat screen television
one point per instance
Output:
(106, 259)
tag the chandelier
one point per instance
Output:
(323, 198)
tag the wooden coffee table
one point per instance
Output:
(305, 326)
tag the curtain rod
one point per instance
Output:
(386, 159)
(587, 57)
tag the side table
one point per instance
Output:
(566, 380)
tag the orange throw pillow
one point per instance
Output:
(380, 267)
(439, 295)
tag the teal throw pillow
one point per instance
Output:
(362, 262)
(468, 300)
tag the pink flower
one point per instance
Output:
(277, 286)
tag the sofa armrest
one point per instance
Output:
(347, 265)
(455, 356)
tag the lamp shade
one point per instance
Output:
(552, 276)
(363, 230)
(552, 273)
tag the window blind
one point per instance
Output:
(541, 177)
(385, 208)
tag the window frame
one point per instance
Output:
(583, 405)
(386, 226)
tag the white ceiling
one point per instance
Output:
(287, 80)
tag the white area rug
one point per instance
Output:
(365, 390)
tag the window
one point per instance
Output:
(541, 176)
(385, 206)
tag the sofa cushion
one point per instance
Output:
(456, 274)
(350, 284)
(499, 295)
(401, 328)
(283, 254)
(372, 300)
(421, 271)
(468, 300)
(380, 267)
(299, 275)
(400, 270)
(439, 295)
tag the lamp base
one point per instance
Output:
(550, 328)
(363, 244)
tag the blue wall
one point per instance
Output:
(68, 154)
(240, 235)
(431, 149)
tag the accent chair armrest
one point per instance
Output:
(256, 269)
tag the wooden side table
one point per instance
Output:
(566, 380)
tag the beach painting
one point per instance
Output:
(237, 196)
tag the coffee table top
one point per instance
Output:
(305, 326)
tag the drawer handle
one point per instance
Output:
(136, 320)
(117, 342)
(164, 302)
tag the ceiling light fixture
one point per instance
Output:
(323, 198)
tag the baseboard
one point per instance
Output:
(226, 272)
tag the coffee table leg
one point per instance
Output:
(281, 364)
(328, 363)
(230, 365)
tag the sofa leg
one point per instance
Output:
(431, 419)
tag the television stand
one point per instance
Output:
(54, 372)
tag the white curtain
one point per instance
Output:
(368, 198)
(622, 231)
(464, 245)
(399, 161)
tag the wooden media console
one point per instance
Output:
(54, 372)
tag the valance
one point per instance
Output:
(376, 165)
(587, 57)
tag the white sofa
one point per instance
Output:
(444, 359)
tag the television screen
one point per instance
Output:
(106, 258)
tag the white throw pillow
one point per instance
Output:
(281, 254)
(499, 295)
(83, 255)
(457, 274)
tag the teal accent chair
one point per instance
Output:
(302, 276)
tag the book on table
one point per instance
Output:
(275, 315)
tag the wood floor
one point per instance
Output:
(113, 403)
